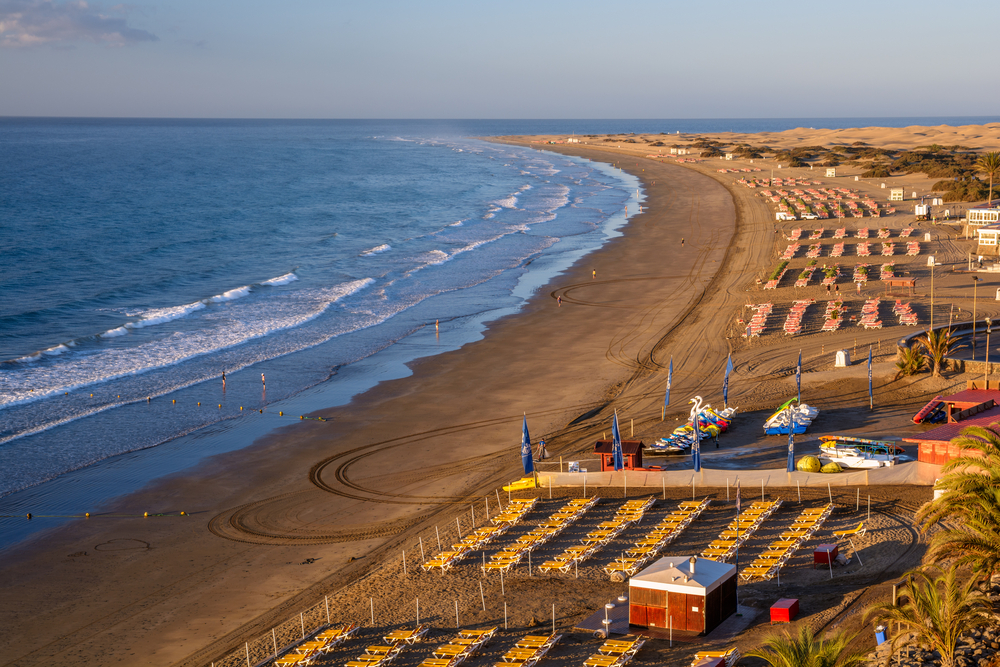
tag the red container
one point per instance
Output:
(825, 554)
(784, 610)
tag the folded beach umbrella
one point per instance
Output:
(725, 380)
(529, 465)
(616, 444)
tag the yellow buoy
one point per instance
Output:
(301, 417)
(281, 414)
(832, 466)
(183, 513)
(199, 402)
(241, 408)
(808, 464)
(88, 515)
(175, 400)
(220, 406)
(145, 513)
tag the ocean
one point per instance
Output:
(142, 259)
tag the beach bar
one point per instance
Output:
(631, 454)
(687, 594)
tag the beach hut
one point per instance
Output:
(977, 217)
(989, 239)
(687, 594)
(831, 172)
(896, 194)
(631, 453)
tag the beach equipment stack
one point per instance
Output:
(814, 251)
(740, 530)
(838, 250)
(887, 271)
(862, 233)
(883, 233)
(767, 565)
(861, 273)
(840, 233)
(888, 249)
(833, 273)
(801, 417)
(648, 548)
(817, 234)
(834, 315)
(711, 423)
(790, 251)
(869, 315)
(759, 319)
(793, 323)
(906, 232)
(863, 250)
(905, 314)
(805, 276)
(912, 249)
(509, 557)
(628, 514)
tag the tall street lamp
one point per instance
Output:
(975, 283)
(986, 378)
(932, 296)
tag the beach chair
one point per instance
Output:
(851, 532)
(292, 660)
(731, 656)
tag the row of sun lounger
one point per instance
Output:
(863, 250)
(838, 250)
(793, 323)
(805, 276)
(474, 541)
(905, 314)
(381, 655)
(740, 530)
(509, 557)
(833, 316)
(888, 249)
(514, 512)
(759, 320)
(461, 648)
(830, 280)
(649, 547)
(731, 657)
(628, 514)
(912, 249)
(615, 653)
(814, 251)
(861, 273)
(480, 537)
(790, 251)
(766, 565)
(887, 271)
(528, 651)
(307, 652)
(869, 315)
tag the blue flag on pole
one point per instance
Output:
(529, 465)
(798, 377)
(616, 444)
(670, 379)
(725, 381)
(791, 443)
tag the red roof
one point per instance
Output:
(973, 396)
(946, 432)
(628, 446)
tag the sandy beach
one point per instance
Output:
(319, 506)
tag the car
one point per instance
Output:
(809, 216)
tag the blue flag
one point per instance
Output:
(871, 396)
(798, 377)
(725, 381)
(670, 379)
(616, 444)
(791, 443)
(529, 465)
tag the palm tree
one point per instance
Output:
(807, 650)
(934, 612)
(937, 344)
(911, 362)
(971, 500)
(989, 164)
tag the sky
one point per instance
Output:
(512, 59)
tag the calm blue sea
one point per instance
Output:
(142, 259)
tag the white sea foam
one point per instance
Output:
(508, 202)
(377, 250)
(254, 320)
(115, 333)
(231, 294)
(281, 280)
(456, 224)
(58, 349)
(156, 316)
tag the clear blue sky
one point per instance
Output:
(513, 59)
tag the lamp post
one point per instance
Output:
(986, 377)
(932, 296)
(975, 284)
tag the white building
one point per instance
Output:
(989, 239)
(978, 217)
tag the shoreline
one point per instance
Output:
(217, 485)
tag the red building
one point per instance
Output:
(631, 454)
(682, 593)
(972, 407)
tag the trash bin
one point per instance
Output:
(880, 635)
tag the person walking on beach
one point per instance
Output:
(559, 301)
(262, 381)
(223, 380)
(682, 241)
(595, 274)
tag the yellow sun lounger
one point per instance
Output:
(859, 531)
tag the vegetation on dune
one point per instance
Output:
(934, 612)
(877, 171)
(807, 650)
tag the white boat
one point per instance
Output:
(853, 457)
